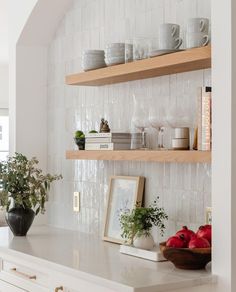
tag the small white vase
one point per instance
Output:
(144, 241)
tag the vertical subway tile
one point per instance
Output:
(184, 189)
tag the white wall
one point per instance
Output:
(19, 12)
(224, 144)
(4, 85)
(224, 115)
(4, 50)
(184, 189)
(32, 24)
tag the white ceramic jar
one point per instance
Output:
(144, 242)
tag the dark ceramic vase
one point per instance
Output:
(80, 142)
(19, 220)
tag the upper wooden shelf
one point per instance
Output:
(189, 60)
(142, 155)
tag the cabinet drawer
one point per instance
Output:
(6, 287)
(24, 277)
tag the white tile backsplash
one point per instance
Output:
(184, 189)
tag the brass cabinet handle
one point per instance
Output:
(59, 289)
(23, 274)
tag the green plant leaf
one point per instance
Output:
(24, 183)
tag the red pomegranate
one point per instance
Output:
(187, 233)
(198, 242)
(176, 241)
(204, 232)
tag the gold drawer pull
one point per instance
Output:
(59, 289)
(23, 274)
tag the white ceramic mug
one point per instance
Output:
(169, 29)
(169, 36)
(194, 40)
(170, 43)
(198, 25)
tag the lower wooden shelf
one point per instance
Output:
(142, 155)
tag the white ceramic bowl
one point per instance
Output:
(92, 67)
(92, 64)
(115, 55)
(114, 61)
(115, 46)
(94, 52)
(112, 51)
(92, 60)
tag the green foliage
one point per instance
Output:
(22, 182)
(79, 134)
(140, 220)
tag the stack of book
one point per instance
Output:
(204, 119)
(109, 141)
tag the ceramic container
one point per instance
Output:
(182, 132)
(180, 144)
(144, 242)
(94, 52)
(115, 46)
(198, 25)
(197, 39)
(169, 36)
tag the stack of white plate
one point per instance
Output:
(115, 54)
(93, 59)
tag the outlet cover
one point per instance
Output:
(76, 202)
(208, 215)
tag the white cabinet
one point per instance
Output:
(23, 276)
(27, 275)
(5, 287)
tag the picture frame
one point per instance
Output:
(124, 193)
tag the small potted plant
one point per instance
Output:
(80, 139)
(23, 191)
(136, 224)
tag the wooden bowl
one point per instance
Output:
(187, 258)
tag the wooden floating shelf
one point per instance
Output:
(142, 155)
(189, 60)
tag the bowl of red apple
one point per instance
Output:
(187, 249)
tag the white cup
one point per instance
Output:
(198, 25)
(195, 40)
(169, 29)
(169, 43)
(169, 36)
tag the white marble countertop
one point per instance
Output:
(85, 254)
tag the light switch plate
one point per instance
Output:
(76, 202)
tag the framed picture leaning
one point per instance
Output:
(125, 192)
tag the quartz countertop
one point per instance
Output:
(88, 256)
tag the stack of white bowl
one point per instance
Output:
(93, 59)
(115, 54)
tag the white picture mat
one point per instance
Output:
(122, 197)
